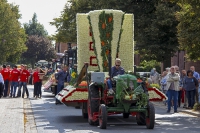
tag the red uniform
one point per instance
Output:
(15, 75)
(24, 76)
(10, 73)
(5, 73)
(36, 77)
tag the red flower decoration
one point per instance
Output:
(91, 46)
(91, 58)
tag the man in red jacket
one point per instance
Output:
(9, 84)
(24, 74)
(6, 74)
(14, 78)
(37, 83)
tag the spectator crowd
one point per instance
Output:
(181, 87)
(13, 81)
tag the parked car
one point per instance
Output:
(144, 74)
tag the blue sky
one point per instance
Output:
(46, 10)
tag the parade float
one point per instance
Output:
(103, 36)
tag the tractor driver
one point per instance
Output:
(115, 70)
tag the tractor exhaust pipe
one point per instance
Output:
(109, 63)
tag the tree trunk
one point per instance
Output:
(32, 64)
(166, 63)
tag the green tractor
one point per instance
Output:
(130, 99)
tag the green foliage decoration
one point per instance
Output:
(105, 28)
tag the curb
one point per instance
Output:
(190, 112)
(29, 120)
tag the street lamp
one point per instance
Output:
(65, 57)
(70, 53)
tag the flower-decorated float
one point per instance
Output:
(97, 32)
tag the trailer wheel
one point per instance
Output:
(84, 110)
(140, 118)
(126, 115)
(93, 103)
(102, 116)
(150, 119)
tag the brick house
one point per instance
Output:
(61, 47)
(180, 60)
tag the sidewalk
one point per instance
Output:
(16, 116)
(12, 115)
(180, 109)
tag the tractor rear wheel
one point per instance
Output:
(126, 115)
(150, 119)
(140, 118)
(102, 116)
(93, 103)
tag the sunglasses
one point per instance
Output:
(117, 65)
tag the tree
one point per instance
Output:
(39, 44)
(39, 48)
(34, 27)
(154, 24)
(157, 39)
(188, 28)
(12, 35)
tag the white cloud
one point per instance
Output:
(46, 10)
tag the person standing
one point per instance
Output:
(172, 88)
(196, 75)
(191, 83)
(23, 81)
(37, 83)
(9, 84)
(156, 77)
(61, 77)
(152, 73)
(6, 75)
(180, 86)
(182, 78)
(15, 74)
(1, 85)
(163, 84)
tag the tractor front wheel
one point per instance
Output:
(150, 119)
(93, 104)
(102, 116)
(126, 115)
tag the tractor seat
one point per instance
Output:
(113, 84)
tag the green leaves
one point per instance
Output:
(188, 30)
(39, 48)
(35, 28)
(12, 36)
(157, 36)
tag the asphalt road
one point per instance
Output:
(51, 118)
